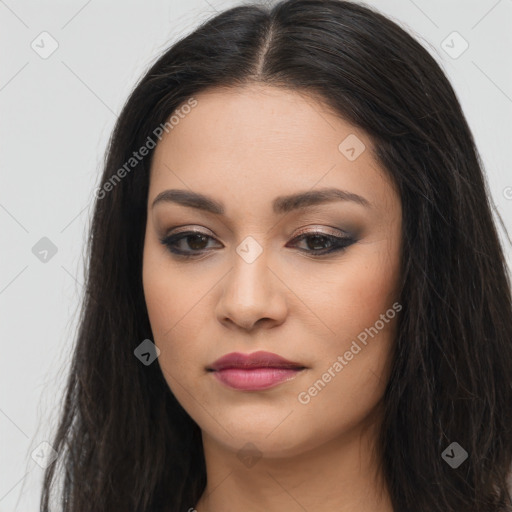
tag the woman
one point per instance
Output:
(296, 294)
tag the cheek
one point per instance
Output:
(167, 290)
(353, 366)
(164, 311)
(354, 294)
(175, 304)
(158, 293)
(359, 306)
(165, 296)
(174, 316)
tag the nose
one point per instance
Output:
(252, 294)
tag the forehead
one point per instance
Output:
(261, 141)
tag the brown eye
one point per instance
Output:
(319, 244)
(193, 240)
(196, 242)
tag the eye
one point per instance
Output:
(332, 243)
(196, 240)
(318, 243)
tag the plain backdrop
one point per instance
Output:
(57, 112)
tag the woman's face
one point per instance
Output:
(252, 283)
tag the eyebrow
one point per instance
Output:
(281, 204)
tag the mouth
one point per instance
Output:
(255, 379)
(256, 371)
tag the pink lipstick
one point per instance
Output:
(256, 371)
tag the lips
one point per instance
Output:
(254, 372)
(255, 360)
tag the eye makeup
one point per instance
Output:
(331, 240)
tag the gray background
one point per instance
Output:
(57, 114)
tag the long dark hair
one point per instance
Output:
(126, 444)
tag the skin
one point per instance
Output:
(244, 147)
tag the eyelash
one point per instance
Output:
(340, 243)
